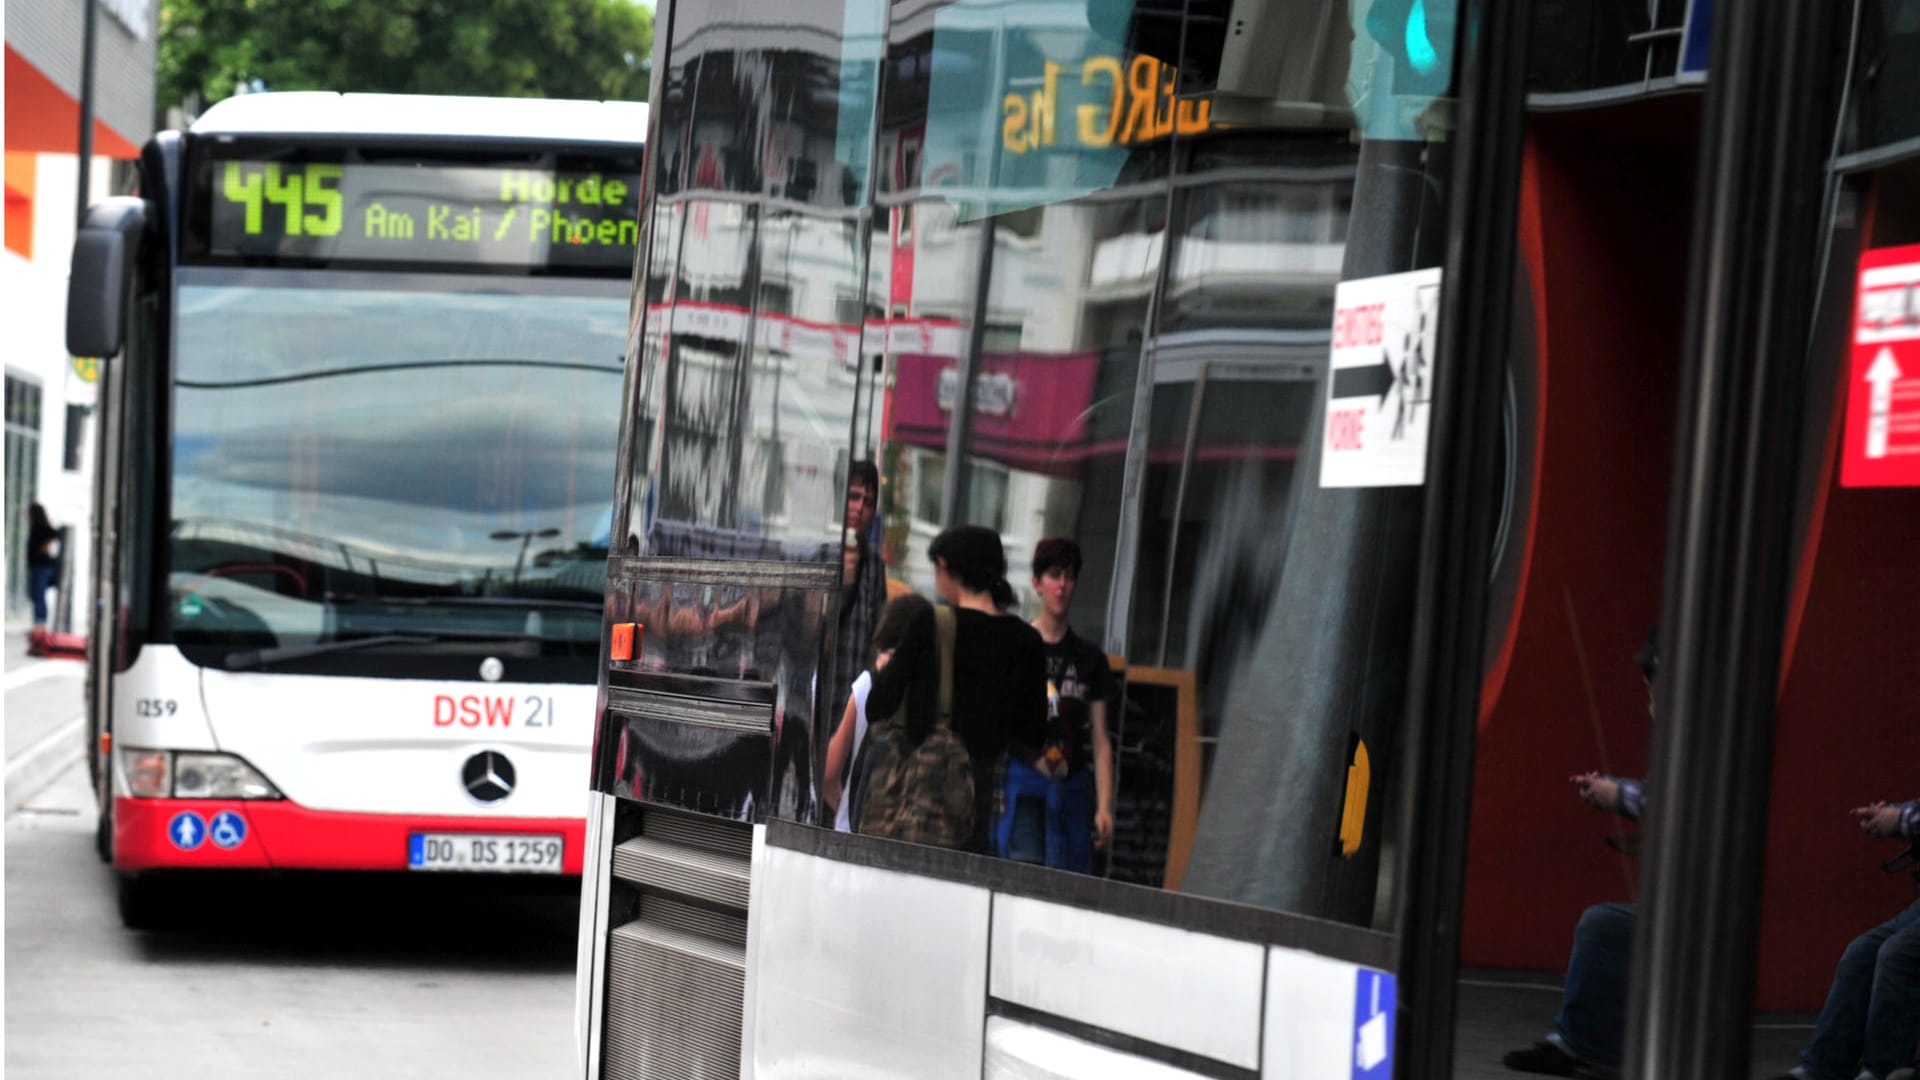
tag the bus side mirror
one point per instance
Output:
(101, 279)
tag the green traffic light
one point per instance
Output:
(1420, 51)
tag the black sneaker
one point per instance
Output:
(1547, 1059)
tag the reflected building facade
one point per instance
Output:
(1016, 255)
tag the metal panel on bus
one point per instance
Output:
(156, 703)
(714, 711)
(1017, 1051)
(397, 746)
(1325, 1017)
(861, 973)
(1186, 990)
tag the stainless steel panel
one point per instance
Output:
(687, 871)
(1310, 1022)
(723, 837)
(725, 927)
(747, 717)
(756, 931)
(1190, 991)
(865, 973)
(673, 1004)
(1017, 1051)
(675, 978)
(590, 968)
(822, 576)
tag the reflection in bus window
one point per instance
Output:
(1086, 292)
(1105, 318)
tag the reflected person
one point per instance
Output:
(843, 751)
(863, 584)
(1059, 804)
(1871, 1020)
(999, 668)
(1589, 1034)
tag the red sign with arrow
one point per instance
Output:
(1883, 381)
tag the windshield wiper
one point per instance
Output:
(253, 658)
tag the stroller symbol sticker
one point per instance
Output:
(228, 830)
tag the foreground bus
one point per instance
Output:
(1355, 343)
(354, 496)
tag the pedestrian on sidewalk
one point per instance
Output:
(43, 564)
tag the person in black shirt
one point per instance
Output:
(999, 667)
(1059, 805)
(863, 585)
(43, 563)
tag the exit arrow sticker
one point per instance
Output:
(1882, 438)
(1380, 380)
(1881, 376)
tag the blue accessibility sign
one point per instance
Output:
(1372, 1025)
(228, 829)
(187, 830)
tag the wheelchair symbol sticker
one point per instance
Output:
(228, 830)
(187, 830)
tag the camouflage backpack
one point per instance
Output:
(921, 793)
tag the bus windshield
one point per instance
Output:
(398, 457)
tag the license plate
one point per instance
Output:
(516, 853)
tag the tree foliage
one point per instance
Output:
(492, 48)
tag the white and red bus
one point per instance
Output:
(355, 497)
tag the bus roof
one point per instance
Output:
(317, 112)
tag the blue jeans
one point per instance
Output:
(1872, 1017)
(1046, 820)
(39, 580)
(1593, 1009)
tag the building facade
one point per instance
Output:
(50, 395)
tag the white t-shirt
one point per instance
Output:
(860, 687)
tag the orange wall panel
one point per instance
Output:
(20, 187)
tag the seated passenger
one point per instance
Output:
(1589, 1034)
(1871, 1022)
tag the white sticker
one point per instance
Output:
(1380, 384)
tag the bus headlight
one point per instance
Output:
(218, 776)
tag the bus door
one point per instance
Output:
(1838, 879)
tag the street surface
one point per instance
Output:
(370, 976)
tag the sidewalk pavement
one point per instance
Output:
(44, 730)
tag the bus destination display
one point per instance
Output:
(425, 214)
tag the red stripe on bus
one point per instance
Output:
(287, 836)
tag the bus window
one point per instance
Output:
(1839, 927)
(753, 288)
(1107, 318)
(296, 448)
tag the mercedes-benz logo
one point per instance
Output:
(488, 776)
(491, 669)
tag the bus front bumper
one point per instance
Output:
(221, 834)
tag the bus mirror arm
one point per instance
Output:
(101, 280)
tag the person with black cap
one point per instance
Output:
(999, 673)
(1589, 1034)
